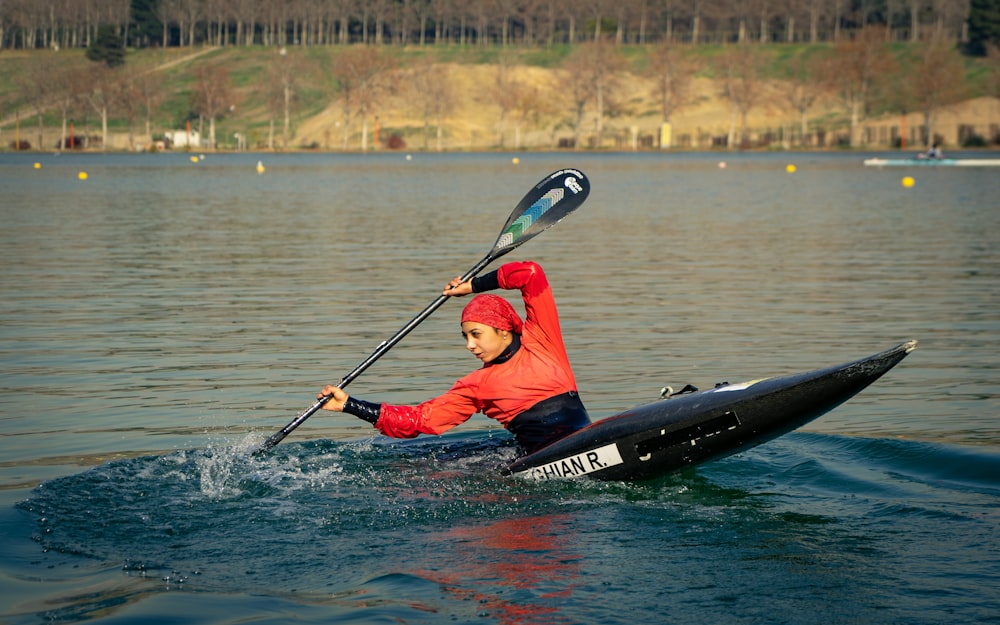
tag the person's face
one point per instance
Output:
(484, 342)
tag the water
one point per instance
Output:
(162, 317)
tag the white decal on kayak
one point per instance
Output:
(575, 466)
(735, 387)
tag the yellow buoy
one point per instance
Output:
(908, 182)
(515, 160)
(260, 167)
(38, 165)
(790, 168)
(82, 175)
(194, 159)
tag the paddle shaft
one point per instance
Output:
(380, 351)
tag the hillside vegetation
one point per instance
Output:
(457, 98)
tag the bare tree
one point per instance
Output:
(286, 68)
(150, 91)
(697, 14)
(609, 65)
(441, 14)
(765, 11)
(130, 100)
(218, 13)
(530, 103)
(803, 92)
(938, 80)
(504, 94)
(364, 76)
(340, 13)
(816, 11)
(246, 14)
(837, 9)
(430, 89)
(166, 10)
(673, 71)
(212, 96)
(102, 94)
(596, 70)
(36, 86)
(69, 82)
(596, 10)
(379, 11)
(423, 11)
(580, 91)
(190, 13)
(742, 85)
(852, 72)
(949, 18)
(914, 7)
(993, 58)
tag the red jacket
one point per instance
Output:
(539, 370)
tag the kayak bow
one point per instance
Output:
(687, 430)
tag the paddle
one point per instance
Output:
(544, 206)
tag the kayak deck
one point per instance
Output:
(658, 438)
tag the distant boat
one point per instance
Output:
(932, 162)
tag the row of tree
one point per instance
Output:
(75, 23)
(861, 73)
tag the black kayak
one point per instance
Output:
(689, 429)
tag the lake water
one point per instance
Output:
(163, 316)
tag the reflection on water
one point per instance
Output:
(527, 557)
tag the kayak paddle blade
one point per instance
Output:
(558, 195)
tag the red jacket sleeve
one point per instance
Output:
(434, 416)
(542, 317)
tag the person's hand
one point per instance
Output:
(457, 288)
(338, 397)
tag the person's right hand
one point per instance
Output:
(338, 397)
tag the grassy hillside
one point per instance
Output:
(318, 115)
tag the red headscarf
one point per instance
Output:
(494, 311)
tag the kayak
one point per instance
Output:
(688, 429)
(942, 162)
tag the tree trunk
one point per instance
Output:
(577, 127)
(288, 117)
(599, 122)
(104, 128)
(732, 127)
(855, 121)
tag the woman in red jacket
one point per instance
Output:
(525, 383)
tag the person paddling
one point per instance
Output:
(526, 382)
